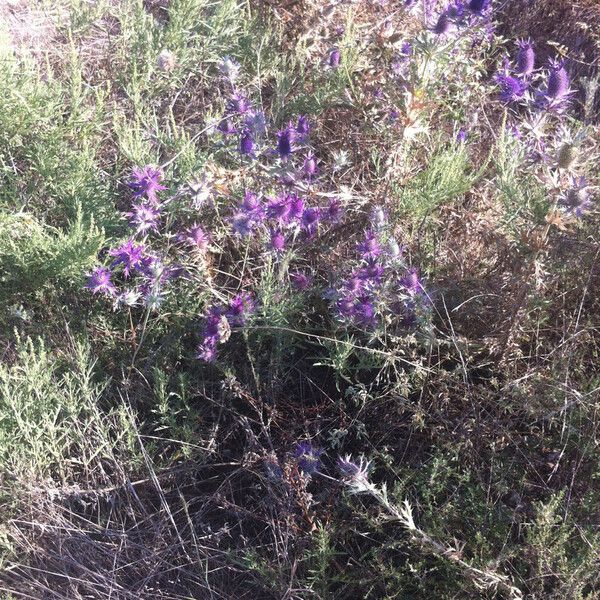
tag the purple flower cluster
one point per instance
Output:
(218, 323)
(132, 260)
(379, 287)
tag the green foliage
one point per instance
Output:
(51, 424)
(446, 177)
(33, 255)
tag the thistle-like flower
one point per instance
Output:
(144, 217)
(145, 181)
(355, 474)
(130, 255)
(333, 61)
(512, 89)
(100, 282)
(308, 457)
(229, 68)
(196, 237)
(246, 144)
(525, 57)
(277, 241)
(285, 141)
(576, 200)
(478, 6)
(558, 81)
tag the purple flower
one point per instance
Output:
(355, 473)
(243, 223)
(99, 282)
(279, 209)
(310, 166)
(238, 104)
(525, 57)
(310, 220)
(334, 211)
(239, 308)
(461, 136)
(558, 81)
(216, 330)
(130, 255)
(296, 207)
(372, 272)
(511, 88)
(303, 126)
(144, 217)
(345, 307)
(355, 284)
(196, 236)
(145, 181)
(300, 281)
(576, 200)
(443, 25)
(277, 241)
(246, 143)
(334, 58)
(369, 247)
(411, 283)
(456, 10)
(285, 141)
(478, 6)
(207, 350)
(250, 203)
(226, 126)
(308, 457)
(364, 312)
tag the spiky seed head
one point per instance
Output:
(567, 154)
(166, 61)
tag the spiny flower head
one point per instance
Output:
(100, 282)
(478, 6)
(145, 181)
(443, 24)
(576, 200)
(196, 236)
(285, 141)
(229, 68)
(355, 473)
(144, 217)
(512, 88)
(310, 219)
(279, 209)
(456, 10)
(310, 166)
(334, 211)
(525, 57)
(239, 308)
(277, 241)
(246, 143)
(130, 255)
(238, 104)
(308, 457)
(558, 80)
(226, 126)
(411, 283)
(333, 60)
(300, 281)
(369, 247)
(303, 126)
